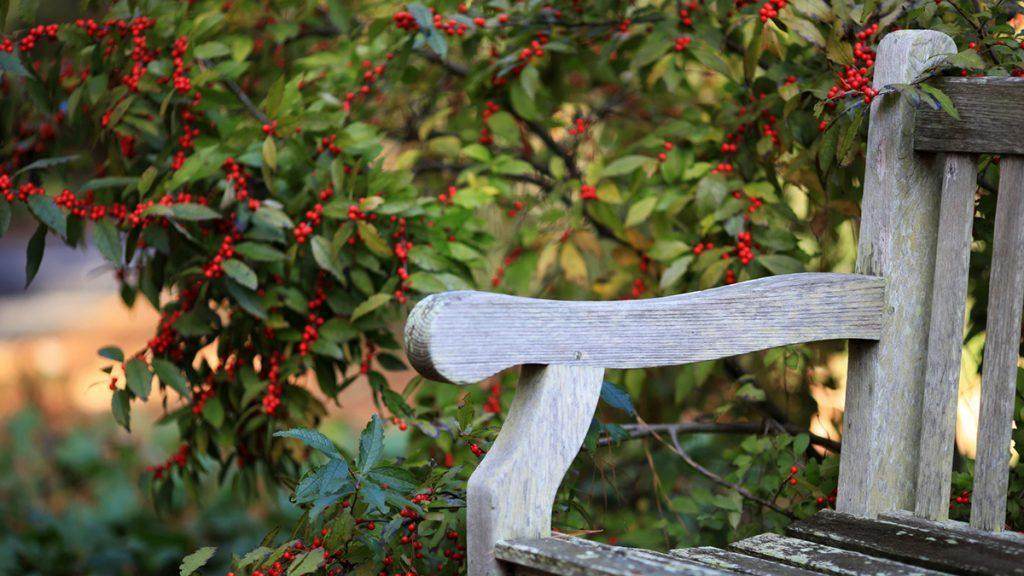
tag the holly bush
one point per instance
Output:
(283, 179)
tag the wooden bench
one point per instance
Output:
(902, 312)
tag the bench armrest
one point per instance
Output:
(466, 336)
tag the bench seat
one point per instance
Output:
(828, 543)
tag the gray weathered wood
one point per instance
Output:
(936, 547)
(961, 529)
(946, 335)
(991, 117)
(825, 559)
(736, 562)
(882, 424)
(512, 491)
(568, 556)
(1002, 343)
(464, 337)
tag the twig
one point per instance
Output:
(240, 94)
(768, 426)
(675, 447)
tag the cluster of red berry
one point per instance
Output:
(214, 268)
(311, 333)
(180, 79)
(177, 460)
(499, 274)
(371, 74)
(667, 146)
(202, 392)
(682, 42)
(329, 144)
(580, 126)
(770, 9)
(493, 403)
(490, 109)
(588, 192)
(272, 399)
(10, 193)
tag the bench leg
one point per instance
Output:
(511, 493)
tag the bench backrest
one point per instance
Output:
(918, 208)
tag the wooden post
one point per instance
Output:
(881, 427)
(511, 493)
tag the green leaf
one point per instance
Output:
(47, 163)
(48, 213)
(943, 101)
(112, 353)
(239, 272)
(322, 254)
(247, 299)
(259, 252)
(196, 560)
(626, 165)
(369, 305)
(675, 272)
(211, 50)
(640, 211)
(270, 153)
(273, 217)
(120, 408)
(371, 444)
(147, 179)
(780, 264)
(10, 64)
(311, 438)
(307, 563)
(36, 248)
(5, 217)
(171, 376)
(108, 240)
(616, 397)
(194, 212)
(140, 379)
(522, 103)
(213, 411)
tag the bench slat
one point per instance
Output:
(826, 559)
(946, 335)
(742, 563)
(931, 545)
(961, 529)
(466, 336)
(991, 118)
(569, 556)
(1002, 343)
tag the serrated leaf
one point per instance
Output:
(241, 273)
(108, 241)
(140, 379)
(196, 560)
(371, 444)
(369, 305)
(307, 563)
(616, 397)
(313, 439)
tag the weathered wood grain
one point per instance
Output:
(825, 559)
(463, 337)
(512, 491)
(882, 423)
(1002, 344)
(937, 548)
(946, 335)
(740, 563)
(991, 117)
(568, 556)
(961, 529)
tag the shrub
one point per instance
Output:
(282, 179)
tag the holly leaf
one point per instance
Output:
(34, 256)
(369, 305)
(311, 438)
(140, 379)
(322, 254)
(259, 252)
(112, 353)
(108, 241)
(194, 212)
(196, 560)
(371, 444)
(171, 376)
(120, 408)
(48, 213)
(239, 272)
(617, 397)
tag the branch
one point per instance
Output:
(722, 481)
(768, 426)
(240, 94)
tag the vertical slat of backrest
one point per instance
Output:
(1002, 344)
(881, 426)
(945, 337)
